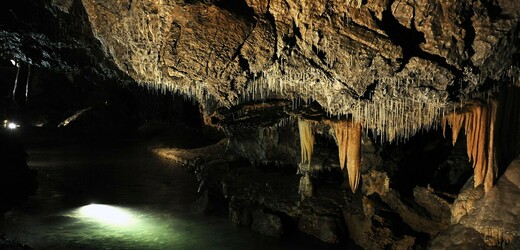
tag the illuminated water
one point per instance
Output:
(148, 203)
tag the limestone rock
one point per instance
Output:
(459, 237)
(328, 51)
(496, 216)
(305, 188)
(466, 201)
(376, 182)
(350, 57)
(240, 215)
(438, 208)
(483, 221)
(267, 224)
(193, 157)
(323, 228)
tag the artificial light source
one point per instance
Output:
(12, 125)
(107, 214)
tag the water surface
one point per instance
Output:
(153, 198)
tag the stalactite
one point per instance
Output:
(492, 166)
(16, 81)
(480, 147)
(455, 121)
(341, 129)
(354, 155)
(479, 125)
(27, 83)
(306, 140)
(348, 137)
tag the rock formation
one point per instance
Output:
(494, 216)
(353, 81)
(393, 66)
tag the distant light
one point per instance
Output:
(13, 62)
(12, 125)
(107, 214)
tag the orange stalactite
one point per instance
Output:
(348, 136)
(492, 165)
(306, 140)
(479, 124)
(354, 155)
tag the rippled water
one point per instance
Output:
(155, 196)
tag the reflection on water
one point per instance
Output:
(143, 229)
(147, 202)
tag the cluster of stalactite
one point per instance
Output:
(392, 117)
(348, 139)
(306, 140)
(491, 129)
(479, 121)
(491, 133)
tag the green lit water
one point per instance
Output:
(150, 230)
(156, 196)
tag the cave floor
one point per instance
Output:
(154, 199)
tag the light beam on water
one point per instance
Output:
(106, 214)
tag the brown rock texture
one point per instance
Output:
(485, 220)
(496, 216)
(407, 58)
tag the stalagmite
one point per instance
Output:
(306, 140)
(348, 136)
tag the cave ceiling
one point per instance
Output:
(394, 66)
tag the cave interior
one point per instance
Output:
(366, 124)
